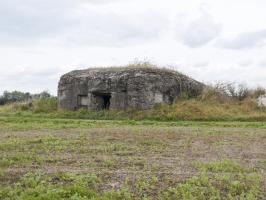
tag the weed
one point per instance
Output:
(43, 186)
(212, 183)
(109, 163)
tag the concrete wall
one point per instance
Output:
(128, 88)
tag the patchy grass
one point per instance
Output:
(133, 162)
(59, 186)
(29, 121)
(219, 180)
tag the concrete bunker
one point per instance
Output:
(123, 88)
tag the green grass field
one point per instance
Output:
(48, 156)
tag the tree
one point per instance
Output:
(17, 96)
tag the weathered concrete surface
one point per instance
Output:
(123, 88)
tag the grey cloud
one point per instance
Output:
(246, 63)
(199, 32)
(101, 1)
(64, 21)
(202, 64)
(98, 29)
(29, 20)
(262, 64)
(17, 73)
(30, 79)
(246, 40)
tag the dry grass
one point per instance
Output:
(130, 154)
(192, 109)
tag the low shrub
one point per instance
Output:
(227, 92)
(45, 105)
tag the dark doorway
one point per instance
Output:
(106, 102)
(102, 101)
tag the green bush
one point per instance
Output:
(21, 106)
(45, 105)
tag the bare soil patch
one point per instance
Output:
(127, 154)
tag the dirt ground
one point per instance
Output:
(127, 154)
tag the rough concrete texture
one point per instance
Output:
(123, 88)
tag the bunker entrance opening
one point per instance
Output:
(103, 100)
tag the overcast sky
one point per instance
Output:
(210, 40)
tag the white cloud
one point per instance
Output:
(198, 32)
(262, 64)
(245, 63)
(96, 29)
(100, 1)
(246, 40)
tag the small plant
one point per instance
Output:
(217, 93)
(141, 64)
(146, 186)
(109, 163)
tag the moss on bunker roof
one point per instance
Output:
(124, 69)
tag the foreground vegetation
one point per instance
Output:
(133, 162)
(185, 110)
(237, 183)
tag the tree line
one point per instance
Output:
(17, 96)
